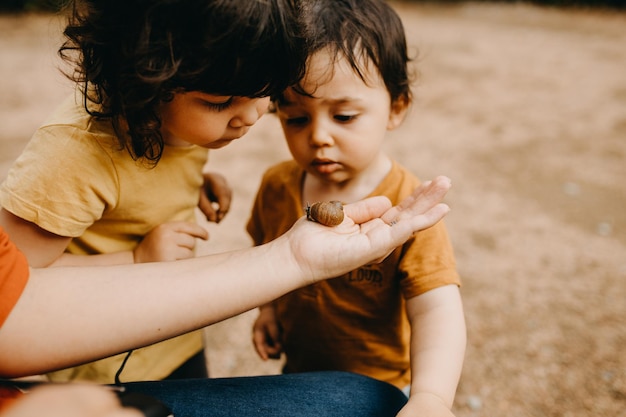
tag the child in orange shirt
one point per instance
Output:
(399, 321)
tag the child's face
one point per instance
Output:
(207, 120)
(338, 134)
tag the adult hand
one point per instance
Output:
(215, 197)
(370, 231)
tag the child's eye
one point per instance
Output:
(296, 121)
(345, 117)
(219, 106)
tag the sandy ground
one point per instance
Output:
(525, 109)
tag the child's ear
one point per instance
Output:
(398, 112)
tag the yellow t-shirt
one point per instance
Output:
(73, 179)
(356, 322)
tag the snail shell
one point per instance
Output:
(328, 213)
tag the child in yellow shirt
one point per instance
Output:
(115, 175)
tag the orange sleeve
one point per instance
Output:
(14, 274)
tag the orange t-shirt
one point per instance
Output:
(356, 322)
(13, 275)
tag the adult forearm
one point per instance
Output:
(74, 315)
(105, 259)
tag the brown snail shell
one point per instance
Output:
(328, 213)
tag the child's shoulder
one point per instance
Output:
(282, 171)
(399, 183)
(70, 112)
(71, 120)
(401, 174)
(71, 137)
(281, 176)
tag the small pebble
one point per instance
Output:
(604, 229)
(474, 403)
(608, 376)
(571, 189)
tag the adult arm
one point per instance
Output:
(68, 316)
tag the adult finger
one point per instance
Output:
(367, 209)
(421, 201)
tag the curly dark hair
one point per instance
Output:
(362, 31)
(129, 56)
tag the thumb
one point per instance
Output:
(367, 209)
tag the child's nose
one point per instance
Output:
(251, 112)
(320, 135)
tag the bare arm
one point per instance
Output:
(74, 315)
(438, 339)
(166, 242)
(41, 247)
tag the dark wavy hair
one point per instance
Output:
(129, 56)
(363, 32)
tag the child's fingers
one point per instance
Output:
(215, 197)
(208, 208)
(192, 229)
(223, 197)
(258, 341)
(266, 341)
(214, 210)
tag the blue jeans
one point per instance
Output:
(318, 394)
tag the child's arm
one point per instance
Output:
(169, 241)
(438, 338)
(266, 334)
(41, 247)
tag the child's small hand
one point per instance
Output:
(266, 334)
(215, 197)
(169, 242)
(425, 404)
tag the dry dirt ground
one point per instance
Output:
(525, 109)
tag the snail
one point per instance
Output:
(328, 213)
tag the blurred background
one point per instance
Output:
(54, 5)
(523, 105)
